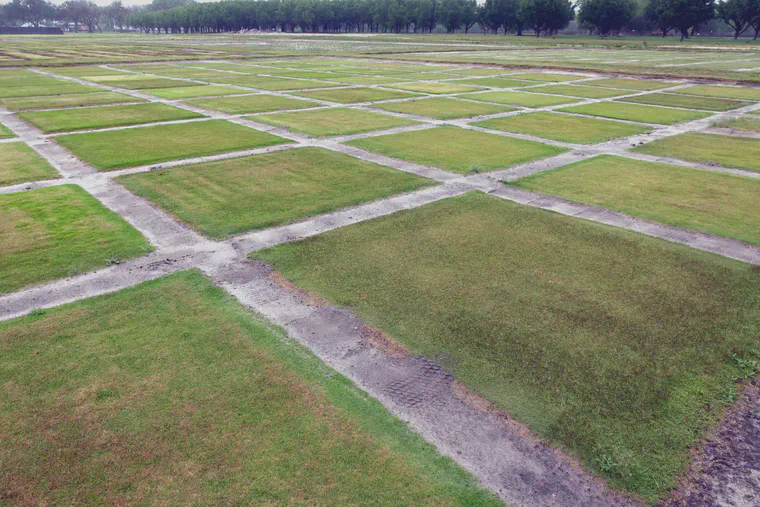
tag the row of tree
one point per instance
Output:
(71, 12)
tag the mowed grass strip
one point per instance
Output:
(563, 127)
(355, 95)
(435, 88)
(497, 82)
(720, 204)
(57, 232)
(609, 343)
(234, 196)
(444, 108)
(688, 101)
(271, 83)
(457, 150)
(363, 80)
(586, 92)
(726, 92)
(637, 112)
(20, 163)
(259, 103)
(523, 99)
(727, 151)
(149, 145)
(175, 377)
(64, 120)
(629, 84)
(188, 92)
(148, 83)
(546, 77)
(334, 121)
(64, 101)
(39, 91)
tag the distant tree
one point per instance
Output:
(13, 13)
(755, 21)
(35, 12)
(738, 14)
(545, 16)
(659, 13)
(690, 13)
(606, 15)
(117, 14)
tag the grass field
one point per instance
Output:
(586, 92)
(521, 99)
(546, 77)
(182, 396)
(612, 344)
(629, 84)
(62, 101)
(688, 101)
(5, 132)
(457, 150)
(259, 103)
(498, 82)
(189, 92)
(38, 91)
(746, 124)
(443, 108)
(57, 232)
(19, 163)
(111, 116)
(562, 127)
(356, 95)
(234, 196)
(333, 121)
(435, 88)
(720, 204)
(636, 112)
(136, 146)
(727, 92)
(727, 151)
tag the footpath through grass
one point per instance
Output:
(171, 393)
(57, 232)
(720, 204)
(727, 151)
(19, 163)
(620, 347)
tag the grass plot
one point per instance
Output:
(5, 132)
(259, 103)
(688, 101)
(744, 123)
(65, 120)
(443, 108)
(720, 204)
(188, 92)
(636, 112)
(238, 195)
(137, 146)
(334, 121)
(38, 91)
(19, 163)
(563, 127)
(497, 82)
(63, 101)
(435, 88)
(355, 95)
(57, 232)
(629, 84)
(457, 150)
(727, 151)
(586, 92)
(726, 92)
(522, 99)
(612, 344)
(171, 393)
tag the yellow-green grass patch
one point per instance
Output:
(563, 127)
(38, 91)
(188, 92)
(435, 88)
(64, 120)
(5, 132)
(334, 121)
(619, 347)
(355, 95)
(457, 150)
(64, 101)
(171, 392)
(727, 151)
(259, 103)
(57, 232)
(363, 80)
(230, 197)
(546, 77)
(637, 112)
(149, 83)
(19, 163)
(498, 82)
(116, 149)
(719, 204)
(688, 101)
(629, 84)
(443, 108)
(727, 92)
(521, 98)
(586, 92)
(271, 83)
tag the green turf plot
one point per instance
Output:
(745, 123)
(726, 92)
(429, 76)
(547, 77)
(38, 91)
(435, 88)
(259, 103)
(116, 149)
(64, 120)
(189, 92)
(497, 82)
(172, 393)
(149, 83)
(688, 101)
(83, 71)
(619, 347)
(334, 121)
(363, 80)
(64, 101)
(300, 74)
(272, 83)
(586, 92)
(234, 196)
(522, 99)
(19, 163)
(727, 151)
(443, 108)
(457, 150)
(5, 132)
(720, 204)
(58, 232)
(636, 112)
(484, 71)
(355, 95)
(119, 76)
(629, 84)
(563, 127)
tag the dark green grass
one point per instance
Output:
(444, 108)
(259, 103)
(637, 112)
(563, 127)
(688, 101)
(57, 232)
(521, 98)
(137, 146)
(720, 204)
(334, 121)
(62, 101)
(612, 344)
(19, 163)
(234, 196)
(172, 393)
(108, 116)
(188, 92)
(727, 151)
(457, 150)
(354, 95)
